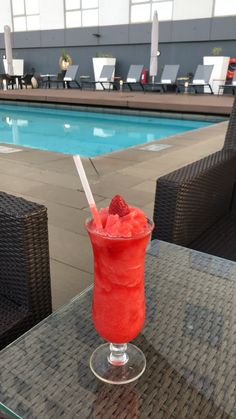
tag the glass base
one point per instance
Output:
(103, 369)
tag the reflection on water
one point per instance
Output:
(104, 133)
(14, 124)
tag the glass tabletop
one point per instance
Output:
(189, 340)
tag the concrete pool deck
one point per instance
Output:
(194, 103)
(51, 179)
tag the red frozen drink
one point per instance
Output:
(119, 250)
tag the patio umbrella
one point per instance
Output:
(8, 49)
(154, 47)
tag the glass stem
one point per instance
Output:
(118, 355)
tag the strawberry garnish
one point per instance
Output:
(118, 206)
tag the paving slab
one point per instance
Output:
(131, 155)
(33, 156)
(67, 281)
(131, 195)
(33, 172)
(57, 194)
(70, 248)
(147, 186)
(117, 180)
(148, 209)
(72, 219)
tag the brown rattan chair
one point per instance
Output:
(195, 206)
(230, 137)
(25, 291)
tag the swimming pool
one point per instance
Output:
(86, 133)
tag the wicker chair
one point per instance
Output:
(230, 137)
(25, 291)
(195, 206)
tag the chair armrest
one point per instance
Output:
(191, 199)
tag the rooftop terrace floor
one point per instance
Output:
(194, 103)
(51, 178)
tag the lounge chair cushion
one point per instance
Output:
(166, 81)
(131, 80)
(198, 82)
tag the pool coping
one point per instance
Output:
(119, 111)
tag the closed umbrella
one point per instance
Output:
(8, 49)
(154, 47)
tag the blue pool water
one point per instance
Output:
(86, 133)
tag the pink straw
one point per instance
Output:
(87, 190)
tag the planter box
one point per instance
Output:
(98, 64)
(219, 72)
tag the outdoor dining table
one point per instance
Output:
(48, 78)
(189, 340)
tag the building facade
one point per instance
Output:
(189, 29)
